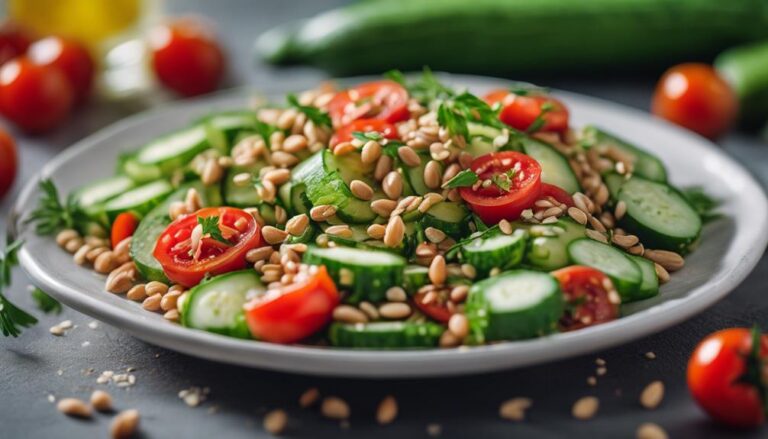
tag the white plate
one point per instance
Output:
(729, 249)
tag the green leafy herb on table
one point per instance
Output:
(45, 303)
(319, 117)
(53, 214)
(12, 318)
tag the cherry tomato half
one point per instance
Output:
(187, 264)
(344, 134)
(186, 56)
(295, 312)
(696, 97)
(559, 194)
(520, 111)
(123, 227)
(716, 373)
(385, 100)
(590, 297)
(437, 309)
(9, 162)
(14, 40)
(71, 57)
(34, 97)
(493, 203)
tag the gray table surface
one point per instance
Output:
(37, 364)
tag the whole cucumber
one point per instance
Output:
(513, 36)
(746, 69)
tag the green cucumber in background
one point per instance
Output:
(514, 36)
(746, 69)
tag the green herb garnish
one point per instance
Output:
(528, 89)
(319, 117)
(539, 122)
(266, 130)
(367, 136)
(52, 214)
(12, 318)
(211, 227)
(45, 303)
(464, 178)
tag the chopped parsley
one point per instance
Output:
(465, 178)
(539, 122)
(319, 117)
(211, 227)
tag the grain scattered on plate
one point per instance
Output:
(514, 409)
(387, 411)
(275, 421)
(335, 408)
(652, 395)
(649, 430)
(585, 408)
(309, 397)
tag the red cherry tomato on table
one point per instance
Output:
(520, 111)
(550, 190)
(123, 227)
(71, 57)
(344, 134)
(696, 97)
(186, 56)
(8, 162)
(590, 296)
(717, 374)
(493, 203)
(295, 312)
(34, 97)
(187, 265)
(436, 309)
(14, 40)
(385, 100)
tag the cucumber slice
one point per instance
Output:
(495, 250)
(448, 216)
(514, 305)
(614, 182)
(644, 163)
(350, 167)
(554, 166)
(231, 124)
(659, 215)
(623, 271)
(155, 222)
(305, 238)
(366, 274)
(284, 197)
(242, 196)
(649, 287)
(139, 200)
(385, 335)
(415, 277)
(414, 176)
(547, 243)
(90, 198)
(216, 305)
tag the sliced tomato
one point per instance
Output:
(344, 134)
(589, 295)
(436, 309)
(521, 111)
(385, 100)
(186, 265)
(557, 193)
(494, 203)
(726, 376)
(295, 312)
(123, 227)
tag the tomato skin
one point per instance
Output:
(9, 162)
(492, 205)
(34, 97)
(589, 301)
(179, 266)
(344, 134)
(696, 97)
(437, 309)
(520, 111)
(123, 227)
(557, 193)
(300, 310)
(71, 57)
(186, 57)
(14, 40)
(385, 100)
(715, 366)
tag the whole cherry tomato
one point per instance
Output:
(9, 162)
(14, 40)
(71, 57)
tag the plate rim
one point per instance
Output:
(323, 361)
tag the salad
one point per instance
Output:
(392, 214)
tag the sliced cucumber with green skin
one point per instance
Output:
(350, 167)
(644, 163)
(415, 277)
(481, 139)
(164, 156)
(139, 200)
(659, 215)
(547, 243)
(284, 197)
(649, 287)
(155, 222)
(385, 335)
(90, 198)
(299, 201)
(414, 176)
(613, 182)
(366, 274)
(448, 216)
(305, 238)
(495, 250)
(216, 305)
(232, 123)
(623, 271)
(242, 196)
(514, 305)
(555, 169)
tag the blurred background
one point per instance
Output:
(71, 67)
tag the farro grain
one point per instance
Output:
(662, 273)
(597, 236)
(273, 235)
(74, 407)
(275, 422)
(396, 294)
(371, 152)
(335, 408)
(395, 310)
(652, 395)
(361, 190)
(585, 408)
(649, 430)
(125, 424)
(514, 409)
(394, 232)
(437, 272)
(369, 309)
(387, 410)
(152, 303)
(671, 261)
(393, 185)
(349, 314)
(309, 397)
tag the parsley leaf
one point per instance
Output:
(211, 227)
(46, 303)
(396, 76)
(464, 178)
(539, 122)
(523, 89)
(426, 89)
(51, 214)
(12, 318)
(502, 181)
(265, 130)
(319, 117)
(368, 135)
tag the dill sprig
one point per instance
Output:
(52, 214)
(12, 318)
